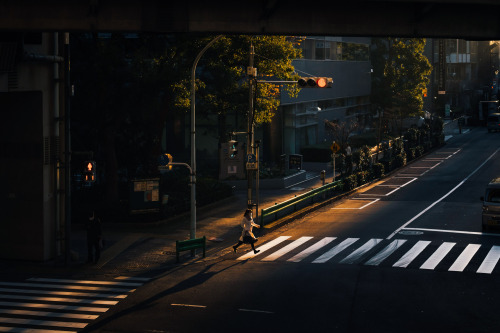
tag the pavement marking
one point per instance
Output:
(373, 200)
(490, 261)
(437, 256)
(357, 254)
(287, 249)
(189, 305)
(385, 253)
(443, 197)
(63, 286)
(336, 250)
(409, 256)
(114, 283)
(48, 314)
(35, 322)
(257, 311)
(313, 248)
(60, 293)
(455, 231)
(264, 247)
(54, 306)
(464, 258)
(30, 330)
(59, 299)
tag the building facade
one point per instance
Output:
(300, 122)
(31, 140)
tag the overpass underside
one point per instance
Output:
(467, 19)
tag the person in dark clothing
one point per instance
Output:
(94, 235)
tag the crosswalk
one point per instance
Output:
(46, 305)
(401, 253)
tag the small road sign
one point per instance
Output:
(335, 147)
(252, 166)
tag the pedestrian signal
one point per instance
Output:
(315, 82)
(89, 172)
(233, 148)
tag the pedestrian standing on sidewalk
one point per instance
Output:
(247, 236)
(94, 234)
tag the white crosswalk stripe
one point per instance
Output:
(490, 261)
(286, 249)
(313, 248)
(437, 256)
(409, 256)
(336, 250)
(464, 258)
(375, 252)
(58, 305)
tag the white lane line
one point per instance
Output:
(47, 314)
(464, 258)
(409, 256)
(408, 182)
(336, 250)
(287, 249)
(60, 293)
(443, 197)
(63, 286)
(55, 307)
(455, 231)
(313, 248)
(19, 321)
(264, 247)
(362, 207)
(385, 253)
(112, 283)
(190, 305)
(59, 299)
(357, 254)
(490, 261)
(437, 256)
(257, 311)
(30, 330)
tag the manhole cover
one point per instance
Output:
(411, 232)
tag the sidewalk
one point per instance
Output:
(134, 249)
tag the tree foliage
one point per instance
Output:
(401, 72)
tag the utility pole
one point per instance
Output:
(252, 73)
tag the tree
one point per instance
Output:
(398, 87)
(224, 78)
(128, 88)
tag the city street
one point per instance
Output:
(406, 254)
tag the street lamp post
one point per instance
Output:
(193, 142)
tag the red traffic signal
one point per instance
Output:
(315, 82)
(89, 171)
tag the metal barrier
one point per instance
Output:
(277, 211)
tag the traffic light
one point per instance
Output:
(315, 82)
(233, 148)
(170, 159)
(89, 172)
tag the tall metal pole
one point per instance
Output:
(67, 151)
(193, 139)
(251, 72)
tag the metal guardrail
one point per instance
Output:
(287, 207)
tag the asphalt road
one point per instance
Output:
(406, 254)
